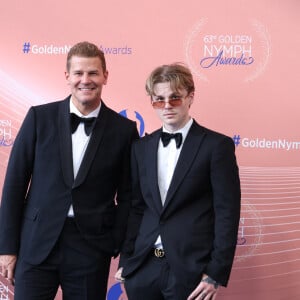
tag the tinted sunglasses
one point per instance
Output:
(173, 101)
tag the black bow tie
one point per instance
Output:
(166, 138)
(88, 123)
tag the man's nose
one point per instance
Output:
(85, 78)
(167, 104)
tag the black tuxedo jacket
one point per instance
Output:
(39, 186)
(199, 221)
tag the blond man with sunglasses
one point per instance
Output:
(183, 224)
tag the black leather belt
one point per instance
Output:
(159, 252)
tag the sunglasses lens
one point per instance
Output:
(162, 104)
(158, 104)
(175, 102)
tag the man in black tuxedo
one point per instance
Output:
(66, 195)
(183, 226)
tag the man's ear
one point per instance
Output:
(105, 76)
(67, 75)
(191, 98)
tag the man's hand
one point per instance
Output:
(7, 265)
(205, 290)
(118, 275)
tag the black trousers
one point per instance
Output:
(154, 280)
(80, 271)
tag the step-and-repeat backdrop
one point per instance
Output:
(245, 59)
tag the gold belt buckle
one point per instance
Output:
(158, 252)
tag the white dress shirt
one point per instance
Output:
(167, 158)
(79, 142)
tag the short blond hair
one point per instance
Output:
(179, 76)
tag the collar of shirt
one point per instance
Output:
(184, 131)
(74, 110)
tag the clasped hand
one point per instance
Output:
(7, 265)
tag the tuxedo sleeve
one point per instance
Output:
(226, 200)
(136, 211)
(124, 193)
(16, 185)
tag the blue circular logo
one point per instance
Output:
(115, 292)
(138, 118)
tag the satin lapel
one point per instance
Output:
(188, 153)
(65, 142)
(151, 161)
(92, 147)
